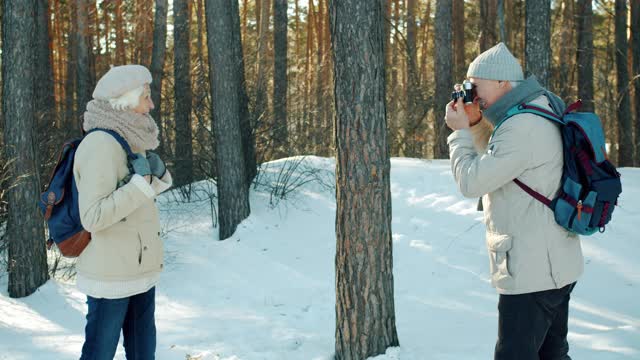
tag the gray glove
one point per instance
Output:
(140, 165)
(158, 168)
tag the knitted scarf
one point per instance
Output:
(140, 131)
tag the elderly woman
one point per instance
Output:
(119, 269)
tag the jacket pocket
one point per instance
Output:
(499, 246)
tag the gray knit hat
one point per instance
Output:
(121, 79)
(496, 63)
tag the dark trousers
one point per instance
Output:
(133, 315)
(534, 326)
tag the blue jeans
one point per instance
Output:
(133, 315)
(533, 326)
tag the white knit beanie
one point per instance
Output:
(120, 80)
(496, 63)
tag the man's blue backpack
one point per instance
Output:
(59, 203)
(590, 183)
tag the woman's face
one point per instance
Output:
(145, 104)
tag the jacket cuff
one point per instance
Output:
(143, 185)
(163, 184)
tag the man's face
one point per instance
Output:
(489, 91)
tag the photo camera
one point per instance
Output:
(467, 92)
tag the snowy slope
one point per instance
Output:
(267, 293)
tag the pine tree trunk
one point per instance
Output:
(45, 102)
(95, 39)
(458, 27)
(412, 146)
(71, 119)
(584, 53)
(364, 262)
(224, 74)
(488, 13)
(158, 54)
(27, 259)
(246, 126)
(635, 33)
(443, 69)
(138, 31)
(119, 25)
(538, 40)
(625, 150)
(107, 32)
(309, 131)
(260, 109)
(182, 73)
(426, 20)
(82, 69)
(280, 77)
(320, 103)
(566, 37)
(57, 44)
(501, 23)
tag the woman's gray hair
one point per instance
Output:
(514, 84)
(128, 100)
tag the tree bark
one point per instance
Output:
(365, 315)
(158, 54)
(119, 24)
(224, 74)
(443, 63)
(27, 259)
(412, 144)
(246, 126)
(426, 23)
(107, 32)
(83, 73)
(45, 102)
(538, 40)
(584, 53)
(566, 38)
(71, 119)
(309, 131)
(635, 33)
(501, 23)
(623, 108)
(488, 14)
(458, 27)
(182, 73)
(280, 78)
(260, 109)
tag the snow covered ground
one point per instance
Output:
(267, 293)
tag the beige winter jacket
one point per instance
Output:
(123, 222)
(528, 250)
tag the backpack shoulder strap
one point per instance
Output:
(119, 138)
(550, 115)
(531, 109)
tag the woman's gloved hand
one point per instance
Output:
(140, 165)
(157, 166)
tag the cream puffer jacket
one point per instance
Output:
(528, 250)
(123, 222)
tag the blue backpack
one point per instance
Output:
(59, 203)
(590, 183)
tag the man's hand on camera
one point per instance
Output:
(456, 117)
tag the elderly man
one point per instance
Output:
(534, 262)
